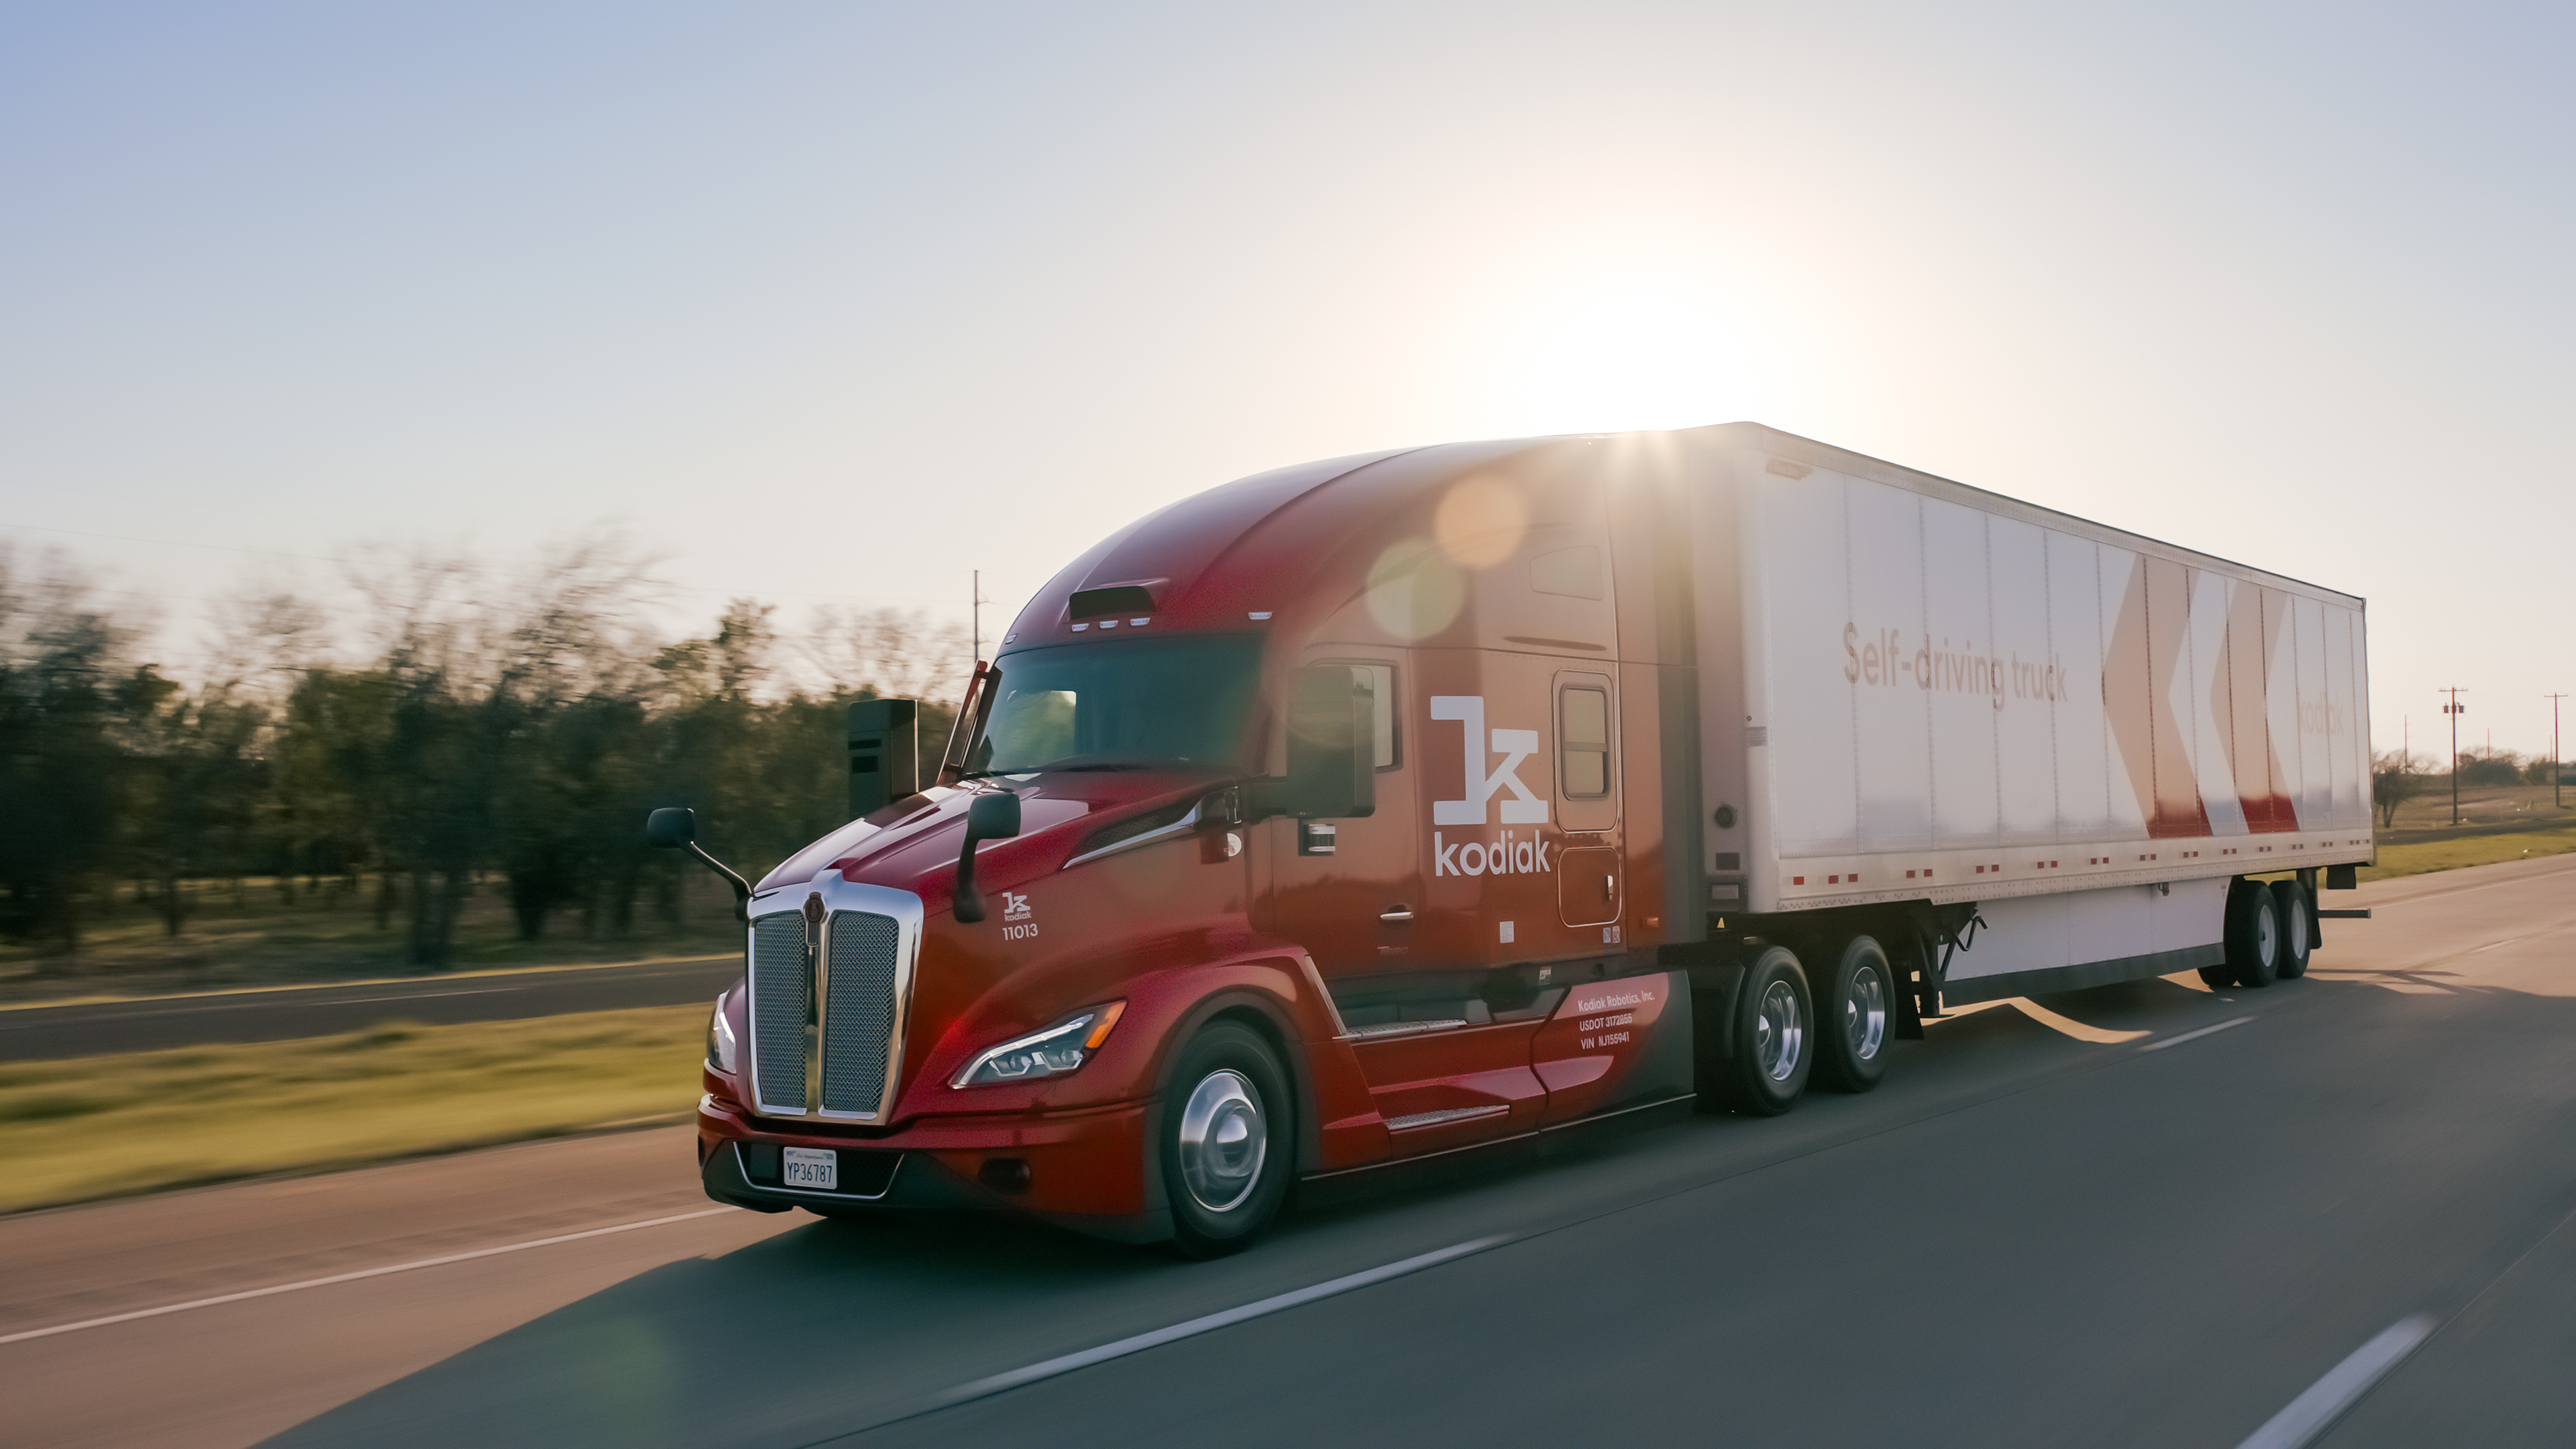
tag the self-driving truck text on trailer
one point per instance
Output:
(1403, 803)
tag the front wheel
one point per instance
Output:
(1768, 1055)
(1227, 1126)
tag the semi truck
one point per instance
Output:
(1409, 803)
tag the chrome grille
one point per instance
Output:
(779, 1009)
(859, 1010)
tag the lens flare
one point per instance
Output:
(1480, 521)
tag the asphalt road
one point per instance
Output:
(2147, 1215)
(35, 1033)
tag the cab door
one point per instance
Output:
(1442, 1071)
(1346, 889)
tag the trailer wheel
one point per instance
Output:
(1769, 1048)
(1227, 1121)
(2253, 934)
(1852, 1018)
(2290, 908)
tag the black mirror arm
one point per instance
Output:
(741, 887)
(966, 901)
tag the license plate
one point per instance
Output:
(818, 1168)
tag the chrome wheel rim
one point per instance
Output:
(1865, 1013)
(2267, 936)
(2296, 928)
(1778, 1035)
(1224, 1140)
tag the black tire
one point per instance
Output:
(1770, 1038)
(2253, 934)
(1227, 1138)
(1855, 1017)
(2218, 978)
(2290, 909)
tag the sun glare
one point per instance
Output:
(1619, 339)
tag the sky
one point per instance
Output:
(832, 304)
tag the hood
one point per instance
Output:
(912, 843)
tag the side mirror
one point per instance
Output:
(988, 817)
(676, 828)
(670, 827)
(1332, 738)
(994, 817)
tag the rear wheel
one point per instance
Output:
(1769, 1055)
(2290, 908)
(1227, 1123)
(2253, 934)
(1852, 1018)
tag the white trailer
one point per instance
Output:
(2071, 741)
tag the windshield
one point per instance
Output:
(1131, 704)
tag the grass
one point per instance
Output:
(2431, 855)
(106, 1126)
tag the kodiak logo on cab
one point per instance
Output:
(1513, 854)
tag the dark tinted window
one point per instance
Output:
(1137, 702)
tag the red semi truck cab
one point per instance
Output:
(1341, 815)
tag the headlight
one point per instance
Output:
(720, 1040)
(1049, 1053)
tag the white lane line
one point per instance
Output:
(2308, 1415)
(1160, 1336)
(361, 1273)
(2157, 1046)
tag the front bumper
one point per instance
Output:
(1090, 1171)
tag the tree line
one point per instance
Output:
(438, 722)
(2397, 777)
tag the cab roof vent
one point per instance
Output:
(1113, 600)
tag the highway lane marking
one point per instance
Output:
(2157, 1046)
(361, 1273)
(2068, 1026)
(2310, 1413)
(1053, 1367)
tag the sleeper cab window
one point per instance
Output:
(1583, 741)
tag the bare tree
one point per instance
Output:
(849, 652)
(2395, 778)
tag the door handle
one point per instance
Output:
(1397, 912)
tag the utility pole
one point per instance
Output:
(975, 611)
(2454, 709)
(2554, 787)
